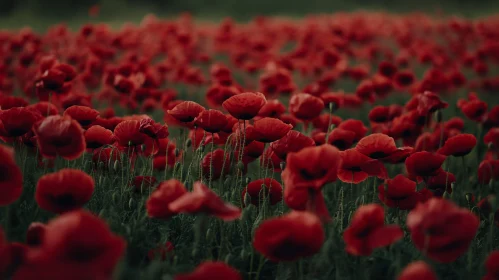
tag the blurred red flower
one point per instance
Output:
(459, 145)
(11, 178)
(268, 130)
(61, 136)
(245, 106)
(167, 192)
(76, 245)
(400, 192)
(290, 237)
(367, 231)
(442, 230)
(211, 270)
(418, 270)
(260, 189)
(424, 164)
(204, 200)
(64, 191)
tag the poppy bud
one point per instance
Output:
(188, 143)
(469, 197)
(243, 254)
(282, 165)
(240, 165)
(493, 203)
(332, 106)
(228, 258)
(247, 199)
(209, 235)
(177, 152)
(228, 181)
(438, 115)
(116, 165)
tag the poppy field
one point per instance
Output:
(344, 146)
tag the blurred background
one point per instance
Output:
(41, 13)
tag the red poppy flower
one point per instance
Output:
(305, 107)
(387, 69)
(492, 137)
(97, 136)
(382, 114)
(488, 170)
(492, 118)
(245, 106)
(428, 102)
(400, 192)
(333, 98)
(211, 270)
(404, 78)
(162, 252)
(268, 130)
(340, 138)
(61, 136)
(18, 121)
(11, 178)
(440, 183)
(441, 230)
(418, 270)
(143, 182)
(356, 167)
(8, 102)
(355, 126)
(35, 234)
(84, 115)
(128, 133)
(365, 91)
(289, 119)
(325, 121)
(486, 209)
(312, 167)
(272, 109)
(110, 123)
(63, 191)
(217, 94)
(492, 266)
(367, 231)
(293, 142)
(204, 200)
(153, 129)
(76, 245)
(167, 192)
(106, 157)
(44, 108)
(186, 111)
(424, 164)
(458, 146)
(382, 147)
(454, 123)
(211, 121)
(475, 109)
(290, 237)
(220, 164)
(259, 189)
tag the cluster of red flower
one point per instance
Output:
(280, 112)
